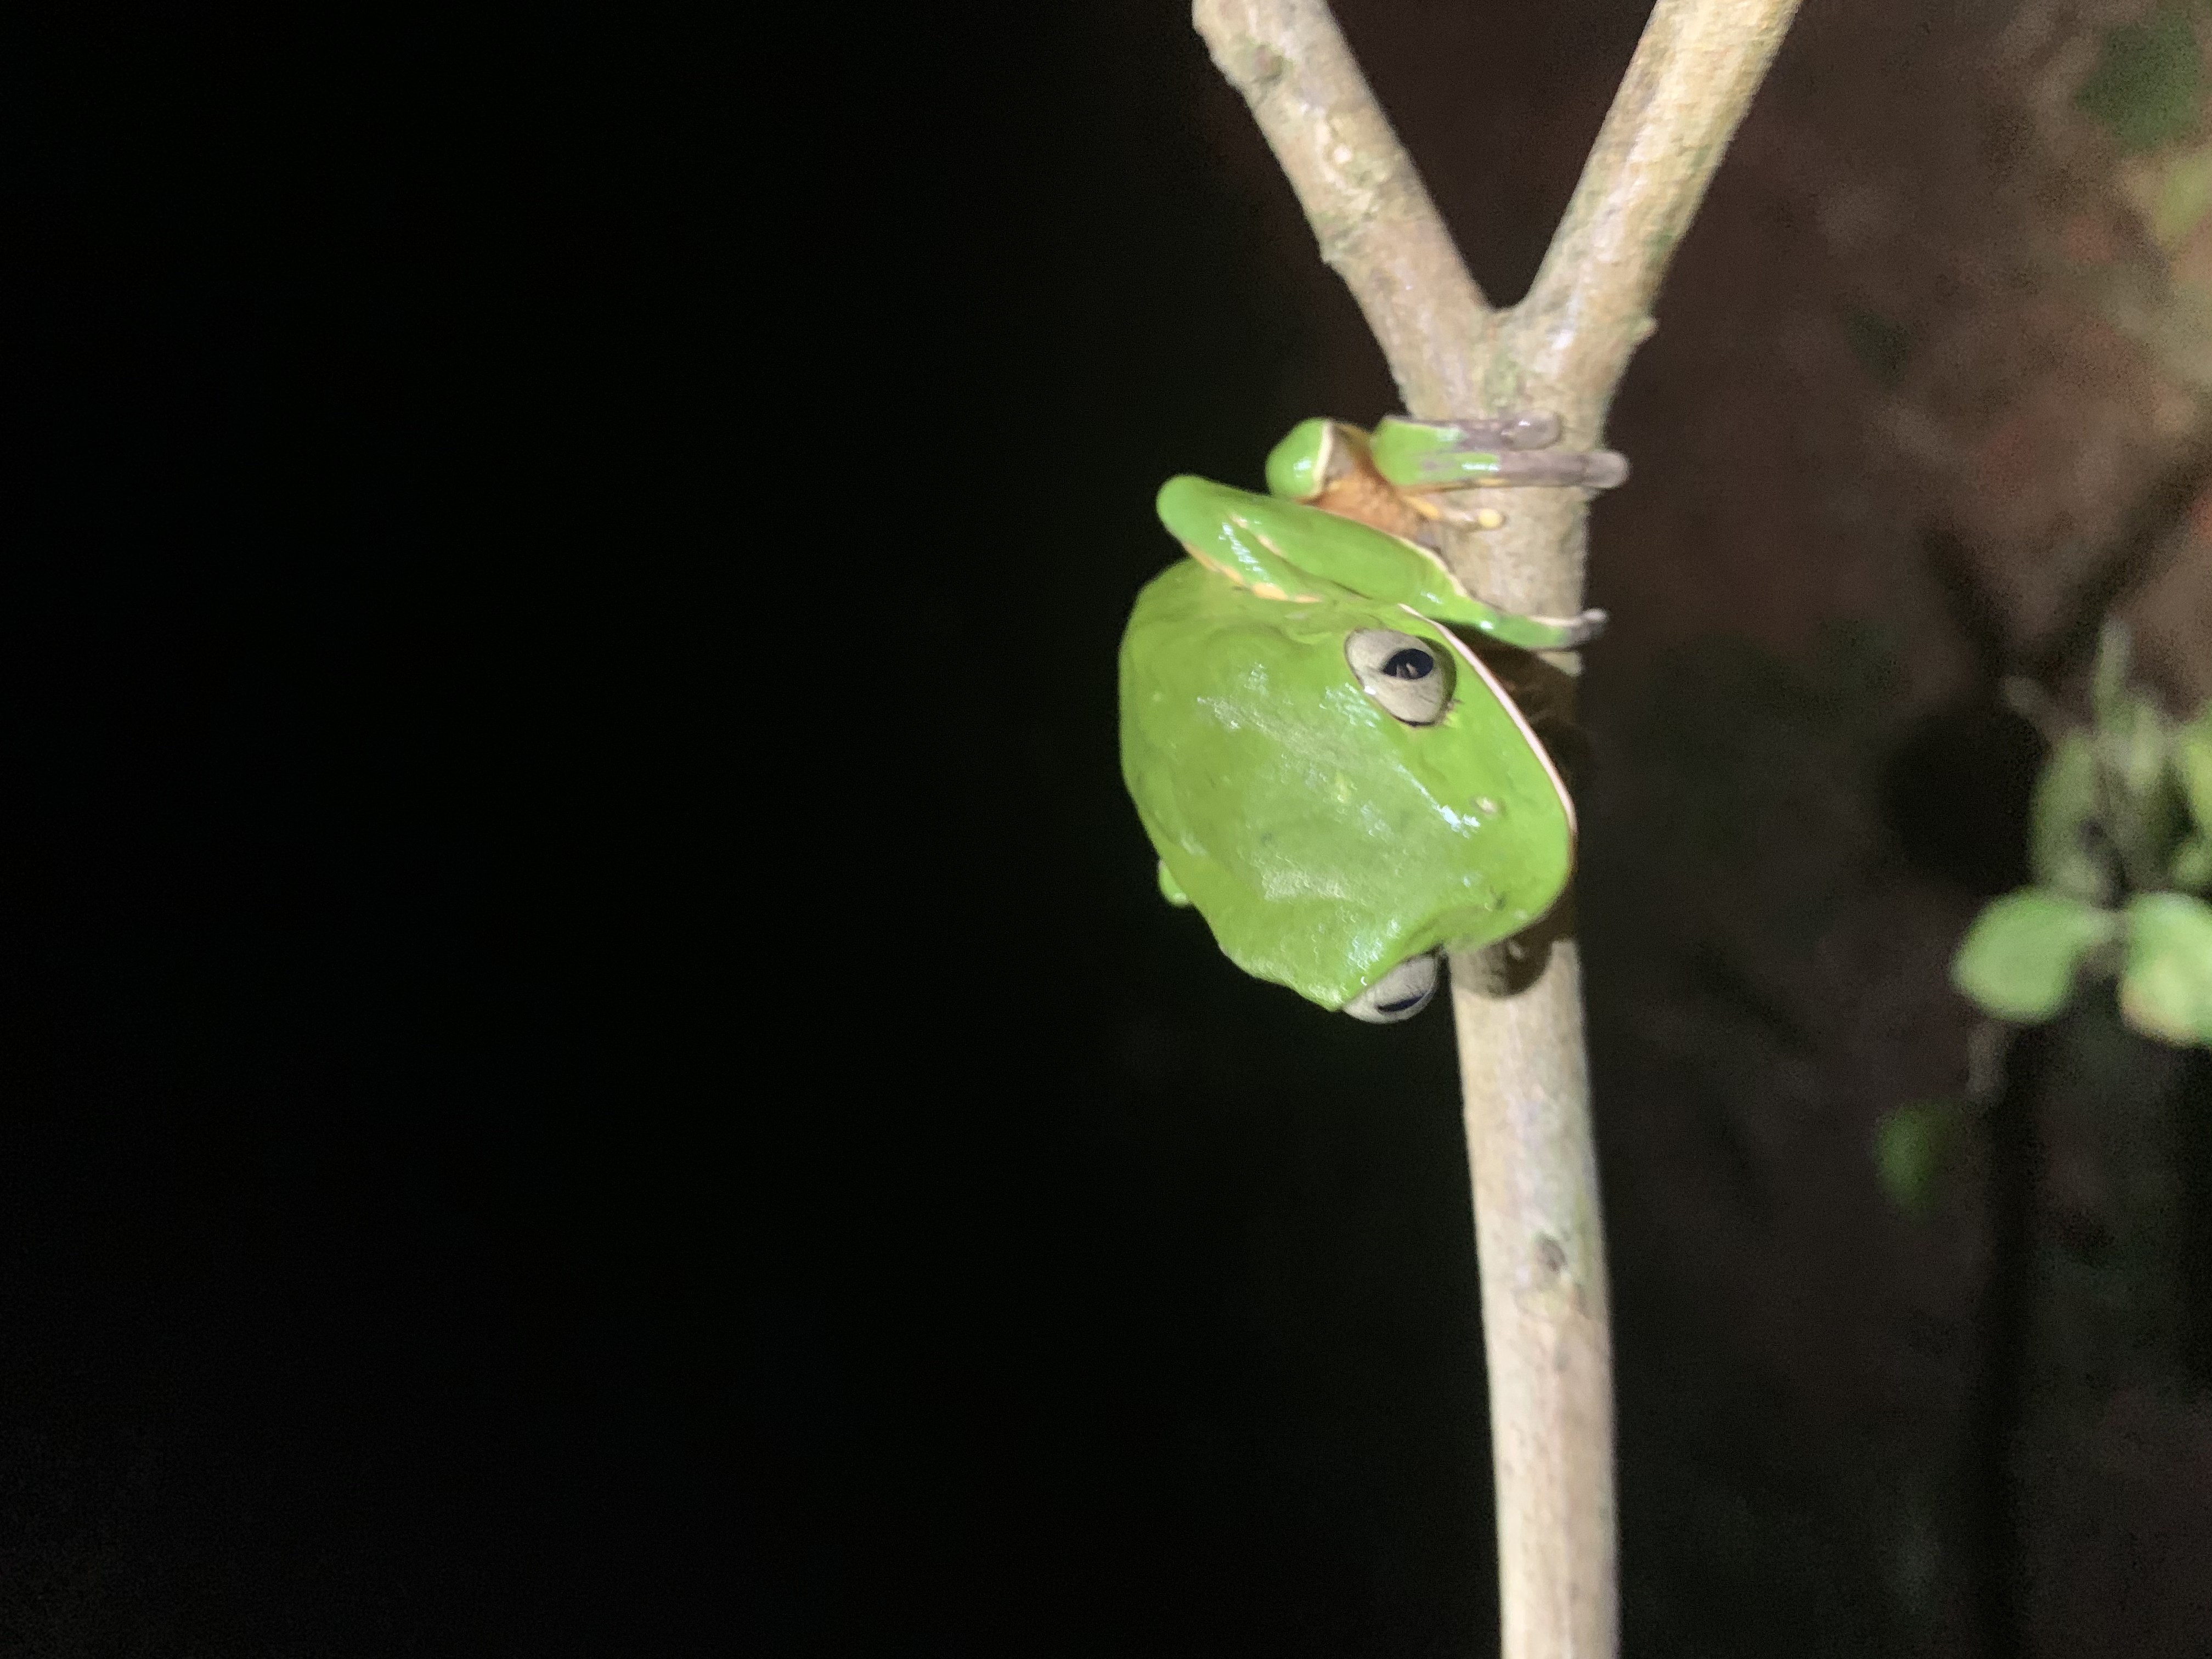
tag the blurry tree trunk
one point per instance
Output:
(1518, 1008)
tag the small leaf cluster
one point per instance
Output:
(2120, 847)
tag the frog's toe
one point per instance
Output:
(1558, 632)
(1399, 994)
(1587, 626)
(1604, 468)
(1527, 428)
(1592, 469)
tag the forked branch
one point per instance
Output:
(1531, 1153)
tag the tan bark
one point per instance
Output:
(1517, 1009)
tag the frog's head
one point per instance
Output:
(1341, 787)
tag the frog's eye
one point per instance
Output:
(1399, 994)
(1411, 678)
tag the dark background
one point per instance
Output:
(370, 1181)
(593, 1063)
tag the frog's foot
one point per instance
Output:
(1325, 464)
(1503, 450)
(1579, 629)
(1531, 428)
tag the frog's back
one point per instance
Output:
(1324, 840)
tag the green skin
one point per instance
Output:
(1325, 840)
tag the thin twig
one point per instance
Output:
(1518, 1013)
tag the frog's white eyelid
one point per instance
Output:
(1410, 676)
(1399, 994)
(1498, 690)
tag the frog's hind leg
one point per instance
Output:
(1507, 450)
(1326, 464)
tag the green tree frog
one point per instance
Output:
(1328, 772)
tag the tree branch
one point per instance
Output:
(1517, 1009)
(1361, 193)
(1685, 93)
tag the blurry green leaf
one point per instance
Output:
(2165, 991)
(2192, 864)
(2191, 755)
(1911, 1146)
(2108, 678)
(2140, 803)
(2144, 818)
(2020, 958)
(2065, 806)
(2138, 746)
(2184, 196)
(2192, 766)
(2148, 84)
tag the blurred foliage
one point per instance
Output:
(1912, 1147)
(2146, 93)
(2148, 83)
(2120, 848)
(2173, 193)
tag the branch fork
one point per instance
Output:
(1531, 1153)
